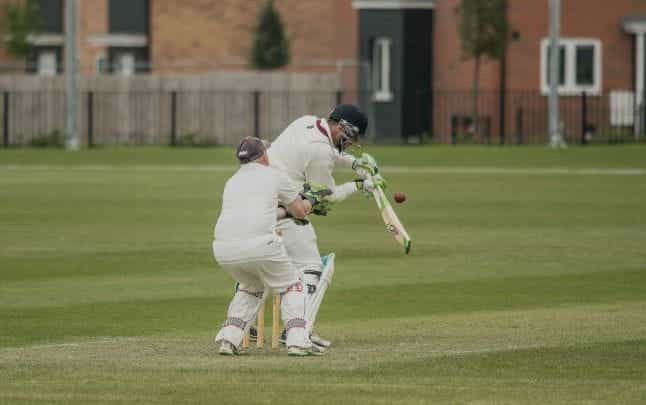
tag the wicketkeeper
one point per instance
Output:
(307, 151)
(247, 246)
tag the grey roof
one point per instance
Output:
(631, 22)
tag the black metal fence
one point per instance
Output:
(206, 117)
(521, 117)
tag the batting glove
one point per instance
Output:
(368, 185)
(365, 165)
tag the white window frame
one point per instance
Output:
(47, 63)
(101, 65)
(126, 63)
(570, 87)
(381, 69)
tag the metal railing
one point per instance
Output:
(585, 119)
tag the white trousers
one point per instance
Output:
(257, 275)
(301, 246)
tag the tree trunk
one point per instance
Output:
(475, 92)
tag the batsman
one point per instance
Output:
(308, 151)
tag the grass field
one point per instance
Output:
(526, 282)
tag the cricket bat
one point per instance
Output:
(393, 224)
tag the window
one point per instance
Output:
(381, 69)
(127, 60)
(128, 16)
(561, 66)
(45, 60)
(579, 69)
(101, 65)
(51, 16)
(585, 65)
(127, 41)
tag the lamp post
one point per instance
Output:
(71, 76)
(556, 137)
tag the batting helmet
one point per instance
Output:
(353, 122)
(351, 114)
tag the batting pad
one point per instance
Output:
(315, 299)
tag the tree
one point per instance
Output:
(22, 20)
(484, 31)
(270, 45)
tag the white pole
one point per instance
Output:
(71, 77)
(556, 138)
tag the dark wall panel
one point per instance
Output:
(417, 71)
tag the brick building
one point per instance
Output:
(602, 49)
(191, 36)
(401, 58)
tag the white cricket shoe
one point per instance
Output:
(317, 350)
(316, 339)
(298, 351)
(228, 349)
(319, 341)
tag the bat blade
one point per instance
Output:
(392, 222)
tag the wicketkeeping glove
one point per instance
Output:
(316, 194)
(297, 221)
(300, 221)
(365, 165)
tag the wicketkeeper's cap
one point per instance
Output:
(250, 149)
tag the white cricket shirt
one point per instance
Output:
(306, 153)
(249, 202)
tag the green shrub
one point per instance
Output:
(51, 139)
(270, 46)
(195, 139)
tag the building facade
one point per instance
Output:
(191, 36)
(602, 56)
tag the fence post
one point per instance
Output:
(584, 118)
(5, 119)
(339, 96)
(256, 114)
(90, 119)
(173, 118)
(502, 106)
(454, 130)
(519, 125)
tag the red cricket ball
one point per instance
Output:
(399, 197)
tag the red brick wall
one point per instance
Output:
(580, 18)
(202, 35)
(197, 36)
(93, 19)
(452, 71)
